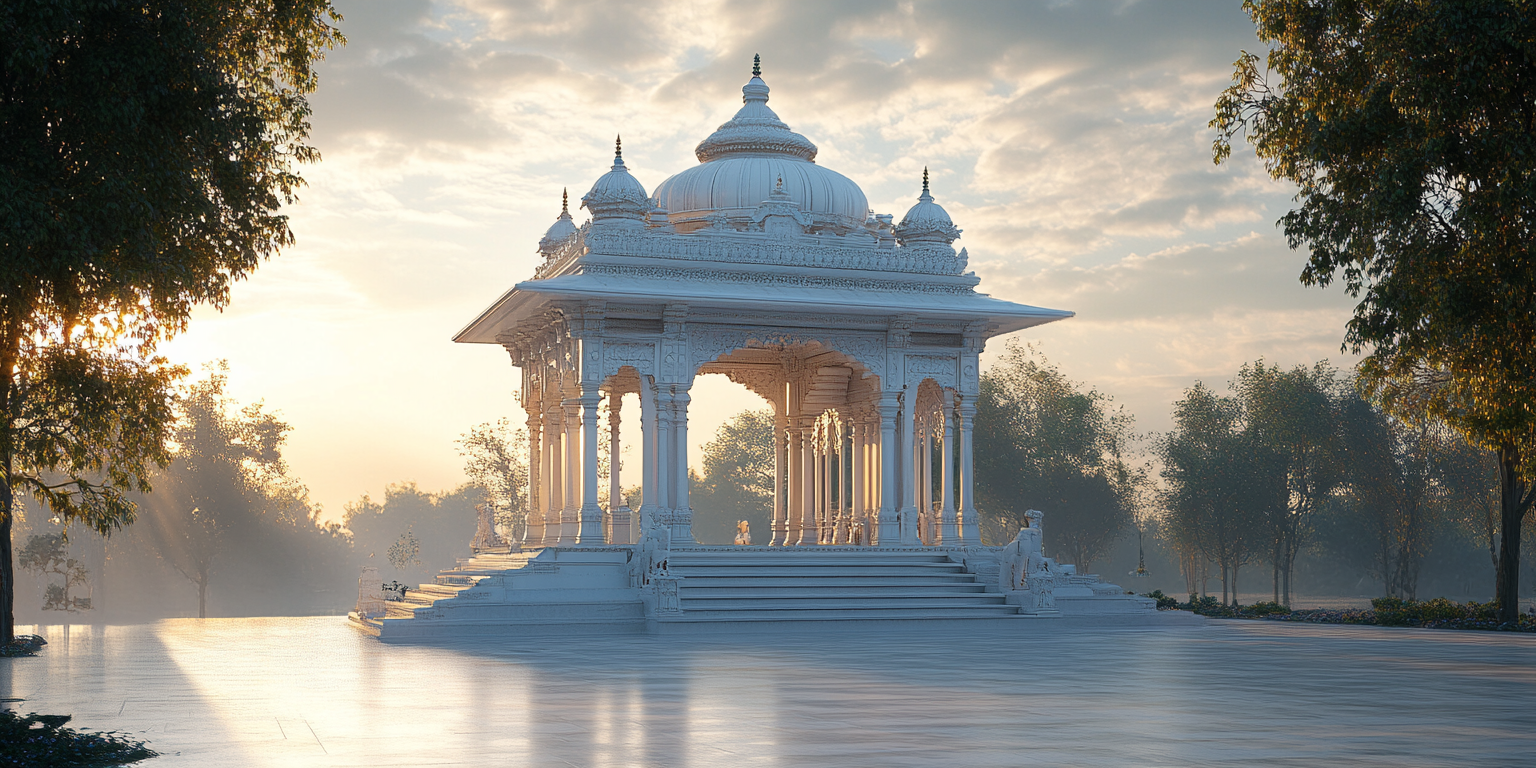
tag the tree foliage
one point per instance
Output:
(738, 480)
(1214, 494)
(1042, 442)
(48, 554)
(496, 460)
(227, 471)
(1291, 421)
(1409, 129)
(441, 526)
(148, 149)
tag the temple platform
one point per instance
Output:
(558, 590)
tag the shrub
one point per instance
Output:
(1164, 602)
(42, 741)
(1264, 609)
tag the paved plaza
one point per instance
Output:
(314, 692)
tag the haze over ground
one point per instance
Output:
(1068, 140)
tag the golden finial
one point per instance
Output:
(565, 201)
(757, 65)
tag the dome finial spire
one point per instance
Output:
(565, 201)
(925, 178)
(618, 146)
(757, 65)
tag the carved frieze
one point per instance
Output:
(940, 369)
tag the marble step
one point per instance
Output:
(895, 600)
(751, 572)
(790, 586)
(812, 557)
(852, 612)
(705, 579)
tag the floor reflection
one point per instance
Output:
(300, 692)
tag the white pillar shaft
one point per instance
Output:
(889, 534)
(590, 516)
(615, 482)
(926, 461)
(556, 481)
(950, 533)
(808, 528)
(570, 516)
(794, 500)
(682, 518)
(663, 451)
(533, 525)
(647, 451)
(859, 486)
(970, 527)
(780, 465)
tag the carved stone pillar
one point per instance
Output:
(856, 534)
(808, 528)
(663, 453)
(615, 482)
(682, 515)
(889, 534)
(823, 482)
(570, 515)
(780, 527)
(590, 523)
(911, 484)
(533, 525)
(949, 532)
(794, 499)
(554, 456)
(970, 525)
(925, 463)
(648, 431)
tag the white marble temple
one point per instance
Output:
(311, 692)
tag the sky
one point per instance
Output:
(1068, 140)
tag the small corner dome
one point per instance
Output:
(617, 195)
(926, 222)
(562, 229)
(741, 163)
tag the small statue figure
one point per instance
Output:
(486, 538)
(743, 534)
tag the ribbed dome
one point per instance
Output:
(617, 195)
(742, 162)
(561, 230)
(926, 222)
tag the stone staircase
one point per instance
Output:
(828, 584)
(449, 584)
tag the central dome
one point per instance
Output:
(742, 163)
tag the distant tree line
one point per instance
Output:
(228, 530)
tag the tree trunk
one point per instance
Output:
(7, 568)
(1285, 575)
(202, 596)
(1276, 560)
(1235, 603)
(1514, 503)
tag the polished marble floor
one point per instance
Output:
(312, 692)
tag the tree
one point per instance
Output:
(1291, 418)
(1393, 493)
(1410, 131)
(1214, 486)
(148, 147)
(225, 458)
(433, 529)
(1043, 443)
(496, 460)
(738, 479)
(49, 553)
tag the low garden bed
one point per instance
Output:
(1439, 613)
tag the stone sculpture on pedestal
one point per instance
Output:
(486, 538)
